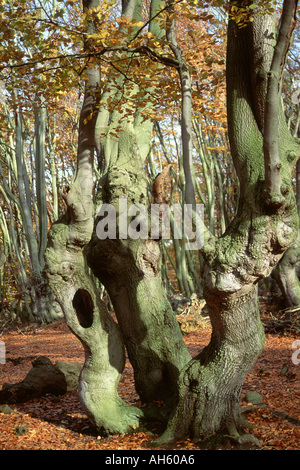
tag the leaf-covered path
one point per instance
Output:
(58, 423)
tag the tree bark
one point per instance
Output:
(286, 275)
(130, 271)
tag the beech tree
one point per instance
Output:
(129, 268)
(265, 225)
(201, 394)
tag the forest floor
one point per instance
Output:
(59, 423)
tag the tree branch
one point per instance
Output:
(186, 110)
(271, 123)
(143, 50)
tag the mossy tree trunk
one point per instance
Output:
(286, 272)
(68, 275)
(265, 226)
(128, 268)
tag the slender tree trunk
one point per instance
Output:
(42, 299)
(186, 111)
(67, 271)
(52, 147)
(185, 269)
(40, 163)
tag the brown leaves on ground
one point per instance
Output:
(59, 423)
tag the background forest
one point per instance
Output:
(42, 78)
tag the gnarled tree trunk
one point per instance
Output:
(67, 271)
(204, 391)
(128, 268)
(265, 226)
